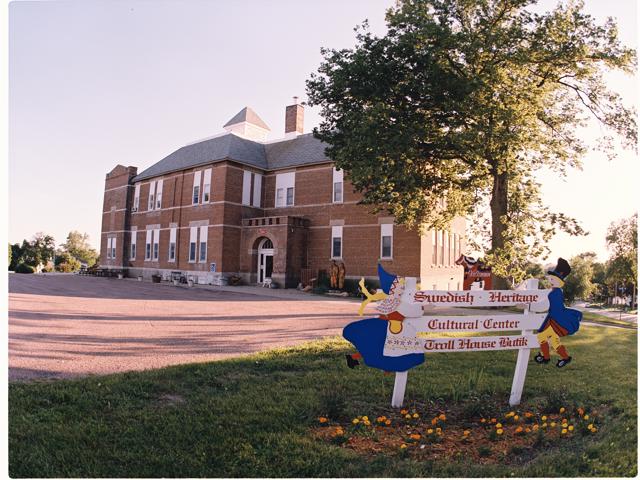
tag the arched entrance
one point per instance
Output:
(265, 259)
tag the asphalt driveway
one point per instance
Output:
(70, 325)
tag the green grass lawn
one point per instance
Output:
(602, 319)
(252, 417)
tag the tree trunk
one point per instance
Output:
(498, 203)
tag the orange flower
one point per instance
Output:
(580, 411)
(493, 420)
(528, 414)
(387, 422)
(322, 420)
(442, 417)
(434, 421)
(404, 412)
(415, 436)
(466, 432)
(519, 430)
(482, 420)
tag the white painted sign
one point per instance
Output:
(484, 298)
(402, 346)
(479, 323)
(409, 340)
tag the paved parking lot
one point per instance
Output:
(69, 325)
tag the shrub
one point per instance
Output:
(65, 262)
(24, 268)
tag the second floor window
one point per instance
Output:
(386, 240)
(337, 185)
(206, 187)
(136, 198)
(196, 187)
(285, 189)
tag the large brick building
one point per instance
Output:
(237, 203)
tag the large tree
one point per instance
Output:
(459, 105)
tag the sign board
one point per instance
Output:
(537, 300)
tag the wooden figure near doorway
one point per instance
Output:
(333, 274)
(341, 274)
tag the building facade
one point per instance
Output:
(239, 204)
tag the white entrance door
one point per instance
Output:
(265, 260)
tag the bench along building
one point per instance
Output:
(237, 203)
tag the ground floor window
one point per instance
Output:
(172, 245)
(336, 242)
(386, 240)
(203, 244)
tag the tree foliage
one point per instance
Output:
(622, 240)
(579, 284)
(39, 250)
(78, 246)
(65, 262)
(454, 110)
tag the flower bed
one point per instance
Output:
(512, 436)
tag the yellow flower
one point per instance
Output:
(367, 422)
(355, 421)
(430, 431)
(438, 430)
(564, 430)
(586, 417)
(565, 425)
(516, 418)
(498, 425)
(594, 430)
(544, 418)
(415, 415)
(553, 424)
(442, 417)
(387, 422)
(570, 428)
(562, 409)
(407, 416)
(590, 426)
(510, 414)
(404, 412)
(499, 431)
(403, 446)
(544, 425)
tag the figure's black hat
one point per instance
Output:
(562, 269)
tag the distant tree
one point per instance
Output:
(622, 267)
(16, 256)
(10, 257)
(579, 284)
(460, 103)
(65, 262)
(78, 245)
(39, 250)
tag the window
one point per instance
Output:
(147, 246)
(285, 189)
(113, 248)
(203, 244)
(336, 242)
(134, 236)
(434, 243)
(152, 192)
(156, 244)
(257, 190)
(196, 187)
(109, 242)
(206, 187)
(172, 245)
(337, 185)
(136, 198)
(193, 239)
(386, 240)
(441, 245)
(246, 187)
(159, 194)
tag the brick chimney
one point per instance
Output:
(294, 118)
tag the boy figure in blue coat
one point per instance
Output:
(560, 321)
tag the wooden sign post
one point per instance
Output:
(407, 340)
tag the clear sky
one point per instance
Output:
(94, 84)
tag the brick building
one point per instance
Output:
(237, 203)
